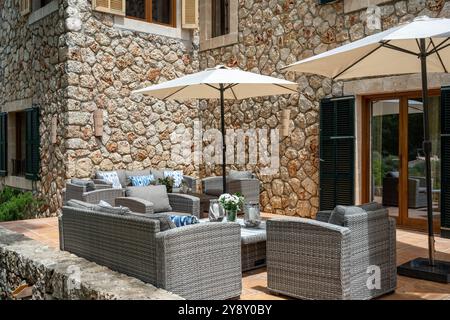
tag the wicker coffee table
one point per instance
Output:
(253, 241)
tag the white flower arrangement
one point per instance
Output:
(231, 202)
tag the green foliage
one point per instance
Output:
(381, 166)
(168, 182)
(417, 169)
(7, 194)
(17, 205)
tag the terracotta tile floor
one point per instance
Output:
(410, 244)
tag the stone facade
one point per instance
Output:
(32, 68)
(273, 34)
(104, 65)
(76, 61)
(60, 275)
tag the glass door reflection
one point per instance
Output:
(417, 193)
(385, 165)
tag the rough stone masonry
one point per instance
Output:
(56, 274)
(76, 61)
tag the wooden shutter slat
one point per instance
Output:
(445, 162)
(189, 14)
(3, 144)
(117, 7)
(337, 152)
(24, 7)
(32, 162)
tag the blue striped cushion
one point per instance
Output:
(181, 221)
(177, 177)
(141, 181)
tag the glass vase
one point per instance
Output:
(252, 215)
(216, 212)
(231, 215)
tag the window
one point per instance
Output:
(37, 4)
(16, 145)
(220, 18)
(3, 143)
(155, 11)
(18, 163)
(219, 22)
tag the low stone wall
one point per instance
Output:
(60, 275)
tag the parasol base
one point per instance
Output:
(420, 268)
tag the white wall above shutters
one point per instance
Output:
(116, 7)
(189, 19)
(24, 7)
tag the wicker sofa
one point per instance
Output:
(157, 173)
(315, 259)
(243, 182)
(182, 260)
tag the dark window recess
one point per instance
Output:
(136, 9)
(39, 4)
(156, 11)
(3, 144)
(32, 158)
(445, 162)
(326, 1)
(337, 152)
(220, 18)
(18, 159)
(162, 11)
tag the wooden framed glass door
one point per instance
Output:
(393, 162)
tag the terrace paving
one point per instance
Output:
(410, 244)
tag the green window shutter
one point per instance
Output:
(337, 152)
(32, 144)
(3, 144)
(445, 162)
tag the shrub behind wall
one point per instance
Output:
(17, 205)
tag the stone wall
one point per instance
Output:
(31, 68)
(105, 63)
(75, 61)
(273, 34)
(60, 275)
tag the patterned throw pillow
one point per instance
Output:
(141, 181)
(181, 221)
(177, 177)
(112, 177)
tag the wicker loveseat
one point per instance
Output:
(183, 260)
(315, 259)
(124, 175)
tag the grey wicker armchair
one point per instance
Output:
(248, 187)
(417, 192)
(180, 203)
(101, 190)
(182, 260)
(314, 259)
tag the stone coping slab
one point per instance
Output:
(60, 275)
